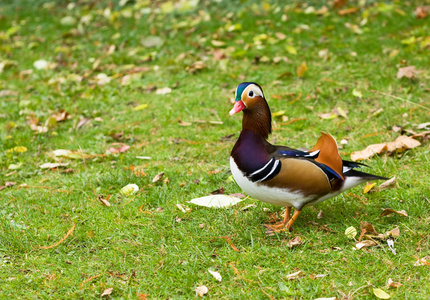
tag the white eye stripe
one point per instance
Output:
(255, 89)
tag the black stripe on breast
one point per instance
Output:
(267, 172)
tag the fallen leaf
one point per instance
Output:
(158, 177)
(140, 107)
(368, 227)
(103, 201)
(219, 191)
(291, 50)
(380, 294)
(7, 184)
(387, 184)
(129, 189)
(331, 298)
(40, 64)
(247, 207)
(339, 3)
(183, 123)
(194, 67)
(347, 11)
(102, 79)
(351, 232)
(118, 148)
(183, 208)
(391, 283)
(293, 276)
(357, 93)
(294, 242)
(369, 151)
(216, 275)
(366, 243)
(151, 41)
(301, 69)
(368, 187)
(389, 211)
(163, 91)
(82, 122)
(201, 290)
(107, 292)
(392, 233)
(402, 143)
(422, 261)
(421, 12)
(217, 201)
(53, 165)
(320, 215)
(408, 72)
(61, 115)
(327, 116)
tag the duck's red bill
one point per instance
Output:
(238, 106)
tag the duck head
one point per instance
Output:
(248, 94)
(256, 113)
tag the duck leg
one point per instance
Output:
(293, 218)
(280, 225)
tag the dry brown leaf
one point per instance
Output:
(294, 242)
(293, 276)
(103, 201)
(408, 72)
(7, 184)
(422, 261)
(301, 69)
(391, 283)
(61, 115)
(118, 148)
(347, 11)
(421, 12)
(387, 184)
(365, 243)
(82, 122)
(158, 177)
(193, 68)
(389, 211)
(370, 151)
(402, 143)
(368, 227)
(107, 292)
(339, 3)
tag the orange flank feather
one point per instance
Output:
(329, 155)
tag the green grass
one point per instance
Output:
(144, 244)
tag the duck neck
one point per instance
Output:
(258, 119)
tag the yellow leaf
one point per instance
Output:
(381, 294)
(368, 187)
(291, 49)
(357, 93)
(278, 113)
(301, 69)
(351, 232)
(17, 149)
(140, 107)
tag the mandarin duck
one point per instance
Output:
(281, 175)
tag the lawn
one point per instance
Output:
(96, 95)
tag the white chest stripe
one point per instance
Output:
(275, 165)
(259, 170)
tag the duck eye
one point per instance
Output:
(251, 94)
